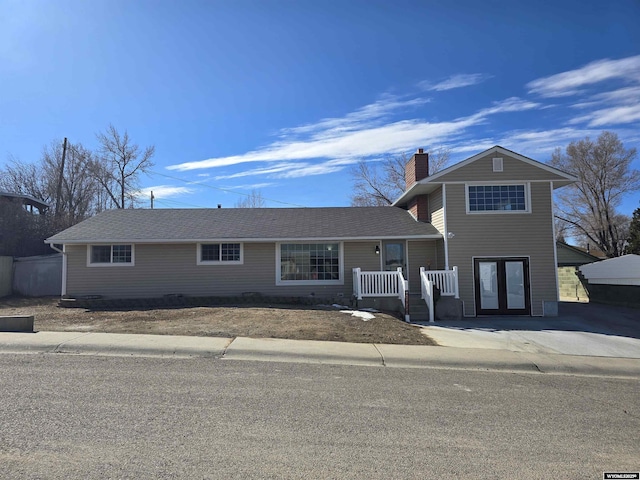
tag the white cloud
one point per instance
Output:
(455, 81)
(252, 186)
(571, 82)
(610, 116)
(280, 167)
(530, 142)
(370, 114)
(165, 191)
(358, 135)
(512, 104)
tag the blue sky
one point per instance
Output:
(285, 96)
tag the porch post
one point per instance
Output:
(455, 275)
(356, 284)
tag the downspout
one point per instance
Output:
(64, 267)
(555, 246)
(446, 230)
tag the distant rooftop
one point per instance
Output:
(27, 200)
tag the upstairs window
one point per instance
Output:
(110, 255)
(497, 198)
(219, 253)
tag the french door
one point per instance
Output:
(502, 286)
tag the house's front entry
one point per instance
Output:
(393, 256)
(502, 286)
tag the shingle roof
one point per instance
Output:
(182, 225)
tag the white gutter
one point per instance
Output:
(555, 245)
(103, 241)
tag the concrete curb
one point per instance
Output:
(113, 344)
(307, 351)
(316, 352)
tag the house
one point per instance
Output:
(480, 231)
(495, 213)
(23, 225)
(28, 202)
(569, 259)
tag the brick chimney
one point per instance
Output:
(416, 169)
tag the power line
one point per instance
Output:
(228, 190)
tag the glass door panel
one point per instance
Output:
(515, 285)
(393, 256)
(488, 272)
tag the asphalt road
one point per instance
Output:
(114, 417)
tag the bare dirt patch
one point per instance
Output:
(261, 321)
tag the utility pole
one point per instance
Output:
(152, 197)
(59, 189)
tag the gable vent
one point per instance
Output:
(497, 164)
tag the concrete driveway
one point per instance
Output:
(579, 329)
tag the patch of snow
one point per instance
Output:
(338, 306)
(358, 313)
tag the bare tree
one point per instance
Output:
(252, 200)
(381, 185)
(605, 176)
(78, 189)
(27, 179)
(118, 166)
(41, 180)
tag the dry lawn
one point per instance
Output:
(278, 321)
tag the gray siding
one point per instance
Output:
(440, 260)
(171, 269)
(481, 170)
(504, 235)
(421, 253)
(436, 211)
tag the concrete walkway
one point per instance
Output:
(306, 351)
(580, 329)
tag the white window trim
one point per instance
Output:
(339, 281)
(527, 198)
(111, 263)
(219, 262)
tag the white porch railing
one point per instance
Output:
(426, 287)
(381, 284)
(445, 280)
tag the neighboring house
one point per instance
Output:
(490, 216)
(23, 225)
(615, 280)
(28, 202)
(569, 259)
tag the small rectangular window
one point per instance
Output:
(210, 253)
(219, 253)
(106, 255)
(121, 253)
(497, 165)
